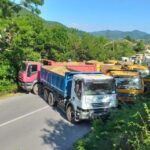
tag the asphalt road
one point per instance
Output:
(28, 123)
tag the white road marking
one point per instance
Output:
(23, 116)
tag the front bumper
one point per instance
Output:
(26, 86)
(91, 114)
(127, 98)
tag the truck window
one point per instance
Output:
(78, 88)
(32, 69)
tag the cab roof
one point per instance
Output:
(92, 77)
(31, 62)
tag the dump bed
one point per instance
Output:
(82, 68)
(59, 79)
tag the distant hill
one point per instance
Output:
(110, 34)
(135, 34)
(24, 12)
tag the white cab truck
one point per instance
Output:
(82, 95)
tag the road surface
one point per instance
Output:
(28, 123)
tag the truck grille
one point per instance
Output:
(100, 110)
(100, 104)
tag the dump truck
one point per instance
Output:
(29, 74)
(81, 95)
(128, 85)
(143, 71)
(106, 67)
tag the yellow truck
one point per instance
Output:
(105, 68)
(128, 84)
(143, 71)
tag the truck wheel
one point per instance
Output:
(36, 88)
(70, 114)
(40, 90)
(50, 99)
(45, 95)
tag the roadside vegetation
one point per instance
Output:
(128, 128)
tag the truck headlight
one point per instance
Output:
(106, 100)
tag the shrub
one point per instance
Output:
(6, 86)
(127, 129)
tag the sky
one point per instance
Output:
(97, 15)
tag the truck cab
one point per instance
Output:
(92, 95)
(29, 76)
(143, 71)
(128, 85)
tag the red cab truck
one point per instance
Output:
(29, 76)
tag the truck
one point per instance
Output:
(128, 85)
(81, 95)
(143, 71)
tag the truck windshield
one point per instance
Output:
(144, 73)
(107, 87)
(23, 67)
(129, 83)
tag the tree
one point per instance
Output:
(129, 38)
(9, 8)
(140, 46)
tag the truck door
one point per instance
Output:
(32, 73)
(77, 93)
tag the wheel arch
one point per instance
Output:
(69, 104)
(35, 82)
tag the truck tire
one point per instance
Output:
(70, 114)
(50, 99)
(40, 90)
(36, 89)
(45, 95)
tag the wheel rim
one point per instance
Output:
(35, 89)
(45, 94)
(50, 99)
(70, 114)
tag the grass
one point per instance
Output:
(6, 95)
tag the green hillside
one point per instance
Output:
(120, 34)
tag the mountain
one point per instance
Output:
(24, 12)
(110, 34)
(135, 34)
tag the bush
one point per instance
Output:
(127, 129)
(7, 86)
